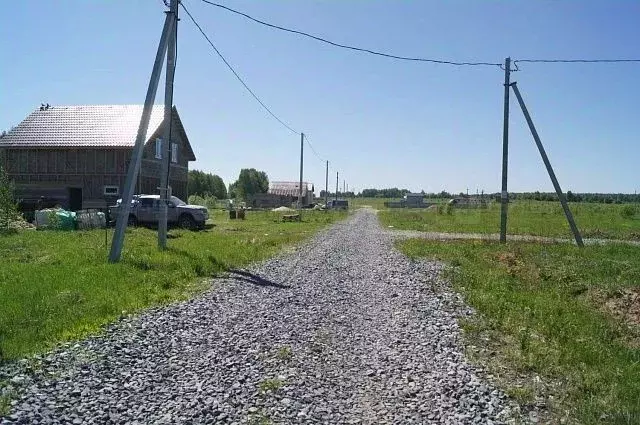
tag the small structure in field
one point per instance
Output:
(411, 200)
(415, 200)
(468, 202)
(337, 204)
(283, 194)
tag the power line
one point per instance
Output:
(344, 46)
(306, 138)
(575, 60)
(234, 71)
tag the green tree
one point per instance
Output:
(206, 184)
(250, 181)
(8, 206)
(218, 187)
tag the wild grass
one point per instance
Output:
(57, 286)
(378, 203)
(270, 385)
(604, 221)
(557, 312)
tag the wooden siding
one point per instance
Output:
(87, 168)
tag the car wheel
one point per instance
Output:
(133, 221)
(187, 222)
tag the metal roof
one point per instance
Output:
(86, 126)
(288, 188)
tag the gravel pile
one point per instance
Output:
(344, 330)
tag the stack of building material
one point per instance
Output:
(90, 219)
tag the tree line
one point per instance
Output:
(604, 198)
(206, 185)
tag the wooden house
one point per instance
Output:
(283, 194)
(77, 156)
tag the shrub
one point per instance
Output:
(8, 206)
(628, 211)
(207, 201)
(196, 200)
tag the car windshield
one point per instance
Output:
(177, 201)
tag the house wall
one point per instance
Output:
(151, 167)
(49, 173)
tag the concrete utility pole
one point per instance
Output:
(337, 187)
(547, 164)
(301, 165)
(136, 155)
(326, 186)
(504, 195)
(166, 139)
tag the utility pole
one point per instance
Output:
(136, 155)
(166, 140)
(337, 187)
(301, 161)
(504, 195)
(326, 186)
(344, 189)
(547, 164)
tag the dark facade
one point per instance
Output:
(67, 159)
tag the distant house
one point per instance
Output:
(414, 200)
(468, 202)
(411, 200)
(77, 156)
(283, 194)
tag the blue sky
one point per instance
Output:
(381, 123)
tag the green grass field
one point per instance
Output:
(606, 221)
(378, 203)
(58, 286)
(568, 315)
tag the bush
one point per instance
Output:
(207, 201)
(8, 206)
(628, 211)
(196, 200)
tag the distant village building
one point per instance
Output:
(411, 200)
(415, 200)
(283, 194)
(77, 156)
(468, 202)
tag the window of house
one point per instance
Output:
(111, 190)
(158, 148)
(174, 152)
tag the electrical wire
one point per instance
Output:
(344, 46)
(306, 138)
(266, 108)
(575, 60)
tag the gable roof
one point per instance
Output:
(288, 188)
(88, 126)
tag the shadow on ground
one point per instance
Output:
(254, 279)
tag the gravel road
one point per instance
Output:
(341, 330)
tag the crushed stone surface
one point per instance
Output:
(343, 330)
